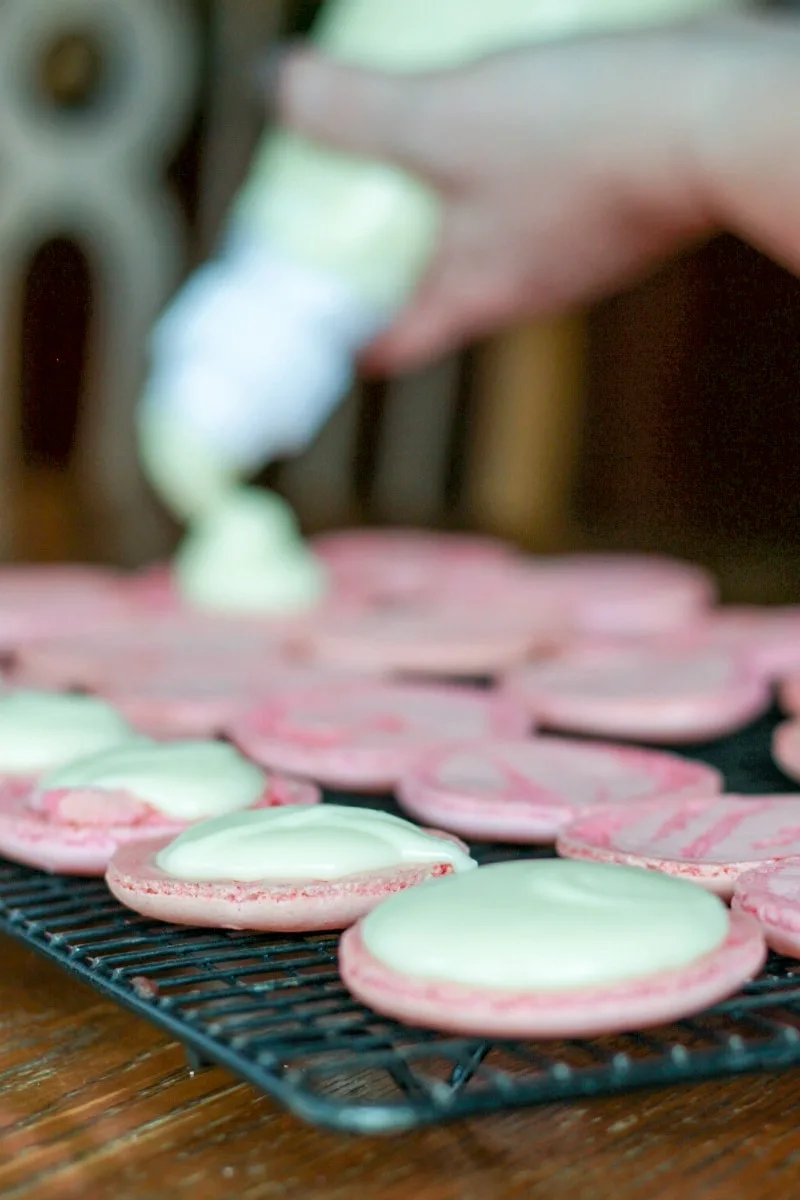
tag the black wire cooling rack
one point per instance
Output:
(273, 1011)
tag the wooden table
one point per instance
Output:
(95, 1103)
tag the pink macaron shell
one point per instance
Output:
(388, 545)
(588, 1012)
(153, 589)
(136, 881)
(391, 565)
(41, 601)
(39, 837)
(708, 840)
(191, 698)
(626, 593)
(532, 807)
(771, 895)
(768, 638)
(63, 664)
(150, 648)
(182, 715)
(765, 639)
(53, 575)
(72, 583)
(23, 622)
(786, 747)
(408, 551)
(442, 639)
(176, 706)
(642, 696)
(364, 735)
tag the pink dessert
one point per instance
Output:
(625, 593)
(771, 895)
(138, 883)
(711, 840)
(366, 734)
(202, 700)
(153, 590)
(43, 601)
(391, 565)
(768, 639)
(147, 648)
(76, 832)
(526, 791)
(587, 1012)
(641, 695)
(445, 639)
(169, 707)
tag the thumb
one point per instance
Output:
(368, 113)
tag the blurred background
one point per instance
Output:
(666, 419)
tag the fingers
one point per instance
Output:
(369, 113)
(362, 112)
(452, 306)
(424, 333)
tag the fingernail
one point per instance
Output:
(269, 69)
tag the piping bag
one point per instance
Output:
(321, 251)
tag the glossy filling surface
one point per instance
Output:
(296, 843)
(546, 926)
(182, 780)
(42, 730)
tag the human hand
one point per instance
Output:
(566, 170)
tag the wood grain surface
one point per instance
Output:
(94, 1103)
